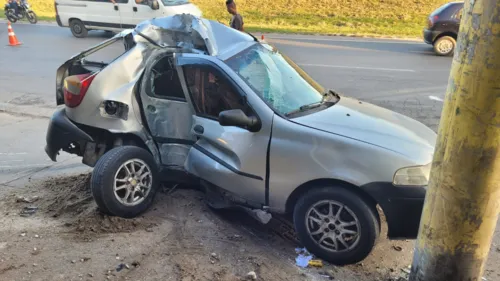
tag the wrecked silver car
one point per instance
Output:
(192, 99)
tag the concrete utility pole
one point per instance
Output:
(462, 204)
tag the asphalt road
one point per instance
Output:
(401, 75)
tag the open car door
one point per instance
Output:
(229, 157)
(166, 109)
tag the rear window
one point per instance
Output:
(440, 9)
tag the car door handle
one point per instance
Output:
(198, 129)
(116, 7)
(134, 9)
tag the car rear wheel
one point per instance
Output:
(124, 181)
(445, 46)
(336, 225)
(78, 28)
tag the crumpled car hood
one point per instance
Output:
(375, 125)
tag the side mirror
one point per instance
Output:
(237, 118)
(154, 5)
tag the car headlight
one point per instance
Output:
(413, 176)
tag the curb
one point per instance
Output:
(27, 110)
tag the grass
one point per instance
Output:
(360, 17)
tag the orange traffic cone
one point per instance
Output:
(12, 36)
(262, 37)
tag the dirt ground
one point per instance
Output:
(51, 230)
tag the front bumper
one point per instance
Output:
(61, 133)
(402, 207)
(430, 36)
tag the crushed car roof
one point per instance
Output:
(190, 32)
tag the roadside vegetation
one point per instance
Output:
(360, 17)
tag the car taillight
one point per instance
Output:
(432, 20)
(75, 88)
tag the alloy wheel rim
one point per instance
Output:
(333, 226)
(445, 46)
(132, 182)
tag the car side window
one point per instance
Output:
(458, 15)
(211, 92)
(142, 2)
(165, 82)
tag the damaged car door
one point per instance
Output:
(232, 136)
(166, 109)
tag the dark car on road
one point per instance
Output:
(443, 26)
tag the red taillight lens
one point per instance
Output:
(432, 20)
(75, 88)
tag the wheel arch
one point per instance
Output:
(318, 183)
(447, 33)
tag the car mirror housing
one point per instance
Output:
(237, 118)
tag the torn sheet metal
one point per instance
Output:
(184, 31)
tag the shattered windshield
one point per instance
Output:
(276, 78)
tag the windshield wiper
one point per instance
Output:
(328, 97)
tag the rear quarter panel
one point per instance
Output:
(116, 82)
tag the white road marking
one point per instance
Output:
(11, 161)
(357, 67)
(436, 98)
(25, 166)
(13, 153)
(355, 39)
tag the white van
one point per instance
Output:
(115, 15)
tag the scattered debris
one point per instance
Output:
(136, 264)
(28, 211)
(90, 274)
(120, 267)
(397, 248)
(36, 251)
(37, 236)
(22, 199)
(73, 261)
(149, 229)
(315, 263)
(303, 258)
(329, 274)
(235, 237)
(84, 259)
(23, 234)
(252, 275)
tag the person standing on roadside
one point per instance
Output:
(237, 19)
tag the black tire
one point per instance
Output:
(369, 227)
(78, 28)
(32, 18)
(445, 46)
(103, 177)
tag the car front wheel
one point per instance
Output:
(445, 46)
(124, 181)
(336, 224)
